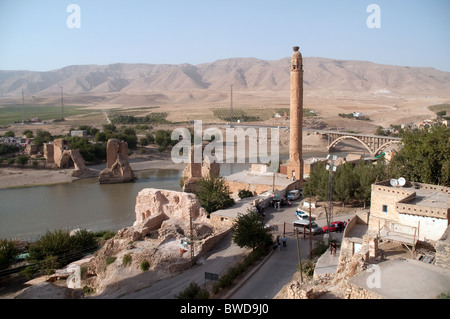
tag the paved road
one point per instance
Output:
(275, 272)
(218, 261)
(265, 283)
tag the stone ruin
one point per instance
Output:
(193, 172)
(117, 170)
(59, 154)
(161, 235)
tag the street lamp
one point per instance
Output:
(331, 168)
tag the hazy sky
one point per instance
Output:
(36, 34)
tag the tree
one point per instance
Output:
(344, 183)
(42, 137)
(213, 194)
(425, 156)
(317, 183)
(249, 231)
(366, 175)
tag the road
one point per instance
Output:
(265, 283)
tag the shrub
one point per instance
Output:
(8, 253)
(22, 160)
(126, 260)
(243, 193)
(193, 291)
(110, 259)
(54, 249)
(145, 265)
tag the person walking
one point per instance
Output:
(284, 241)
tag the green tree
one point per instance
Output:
(213, 194)
(249, 231)
(42, 137)
(344, 183)
(425, 156)
(8, 253)
(58, 248)
(28, 133)
(317, 183)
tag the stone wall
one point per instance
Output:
(442, 246)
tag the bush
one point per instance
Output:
(110, 259)
(22, 160)
(58, 248)
(8, 253)
(243, 193)
(193, 291)
(145, 265)
(126, 260)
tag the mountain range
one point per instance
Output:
(245, 74)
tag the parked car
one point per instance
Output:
(304, 226)
(335, 226)
(293, 195)
(302, 215)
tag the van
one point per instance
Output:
(304, 226)
(293, 195)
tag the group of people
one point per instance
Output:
(278, 244)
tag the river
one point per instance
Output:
(27, 213)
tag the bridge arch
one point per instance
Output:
(340, 139)
(382, 147)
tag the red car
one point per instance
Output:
(335, 226)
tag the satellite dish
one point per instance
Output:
(394, 182)
(401, 181)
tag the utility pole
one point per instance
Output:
(299, 257)
(231, 106)
(192, 236)
(62, 104)
(310, 232)
(23, 107)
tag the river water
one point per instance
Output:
(27, 213)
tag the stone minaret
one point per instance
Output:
(295, 163)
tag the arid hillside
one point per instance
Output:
(387, 94)
(243, 73)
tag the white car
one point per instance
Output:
(302, 215)
(293, 195)
(304, 226)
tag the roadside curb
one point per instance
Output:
(244, 280)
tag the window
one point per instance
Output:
(385, 209)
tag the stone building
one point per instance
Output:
(193, 172)
(414, 211)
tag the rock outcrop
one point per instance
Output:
(160, 237)
(117, 170)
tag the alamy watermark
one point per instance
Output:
(73, 21)
(374, 19)
(222, 147)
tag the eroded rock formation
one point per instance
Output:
(117, 170)
(161, 236)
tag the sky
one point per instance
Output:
(43, 35)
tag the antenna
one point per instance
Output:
(394, 182)
(401, 181)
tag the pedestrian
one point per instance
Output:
(333, 248)
(284, 241)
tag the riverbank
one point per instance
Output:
(16, 177)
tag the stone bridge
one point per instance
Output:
(374, 144)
